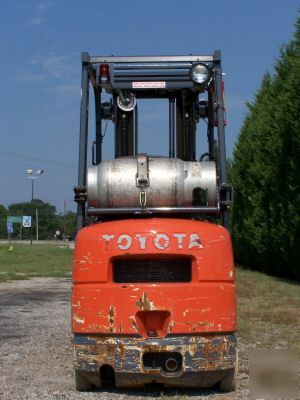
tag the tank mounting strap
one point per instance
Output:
(142, 176)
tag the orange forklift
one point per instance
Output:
(154, 298)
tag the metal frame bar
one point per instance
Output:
(171, 126)
(136, 130)
(141, 59)
(152, 210)
(83, 139)
(221, 133)
(152, 61)
(210, 127)
(98, 122)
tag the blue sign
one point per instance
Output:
(26, 221)
(10, 227)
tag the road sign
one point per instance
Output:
(10, 227)
(26, 221)
(15, 219)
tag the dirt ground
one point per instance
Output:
(36, 351)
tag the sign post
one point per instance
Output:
(10, 230)
(24, 221)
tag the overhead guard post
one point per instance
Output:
(83, 138)
(221, 131)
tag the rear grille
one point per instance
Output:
(152, 270)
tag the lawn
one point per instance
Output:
(268, 307)
(26, 261)
(268, 311)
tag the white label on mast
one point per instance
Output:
(149, 85)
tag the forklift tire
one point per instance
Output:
(228, 383)
(82, 384)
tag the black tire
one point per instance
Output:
(82, 384)
(228, 383)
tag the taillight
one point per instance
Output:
(104, 72)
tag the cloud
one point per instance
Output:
(38, 13)
(66, 89)
(24, 76)
(54, 65)
(54, 73)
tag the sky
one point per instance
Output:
(41, 42)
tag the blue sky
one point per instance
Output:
(40, 45)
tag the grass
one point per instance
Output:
(268, 311)
(26, 261)
(268, 307)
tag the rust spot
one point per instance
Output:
(207, 353)
(111, 319)
(144, 304)
(171, 324)
(134, 324)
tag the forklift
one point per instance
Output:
(153, 295)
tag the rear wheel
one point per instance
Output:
(228, 383)
(82, 384)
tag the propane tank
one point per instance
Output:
(164, 182)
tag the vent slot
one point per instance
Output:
(154, 270)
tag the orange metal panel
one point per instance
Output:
(206, 304)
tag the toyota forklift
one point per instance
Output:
(154, 296)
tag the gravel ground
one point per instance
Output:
(36, 351)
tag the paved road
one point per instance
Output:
(69, 244)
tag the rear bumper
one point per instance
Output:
(205, 359)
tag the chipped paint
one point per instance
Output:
(111, 319)
(144, 304)
(199, 353)
(77, 319)
(135, 326)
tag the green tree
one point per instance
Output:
(265, 172)
(67, 224)
(47, 218)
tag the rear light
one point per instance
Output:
(104, 72)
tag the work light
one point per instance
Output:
(199, 73)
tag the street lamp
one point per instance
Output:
(33, 176)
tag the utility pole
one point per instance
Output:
(37, 223)
(33, 177)
(65, 221)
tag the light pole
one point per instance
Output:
(33, 176)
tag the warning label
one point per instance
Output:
(149, 85)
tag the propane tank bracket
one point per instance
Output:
(142, 176)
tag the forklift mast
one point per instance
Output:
(180, 79)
